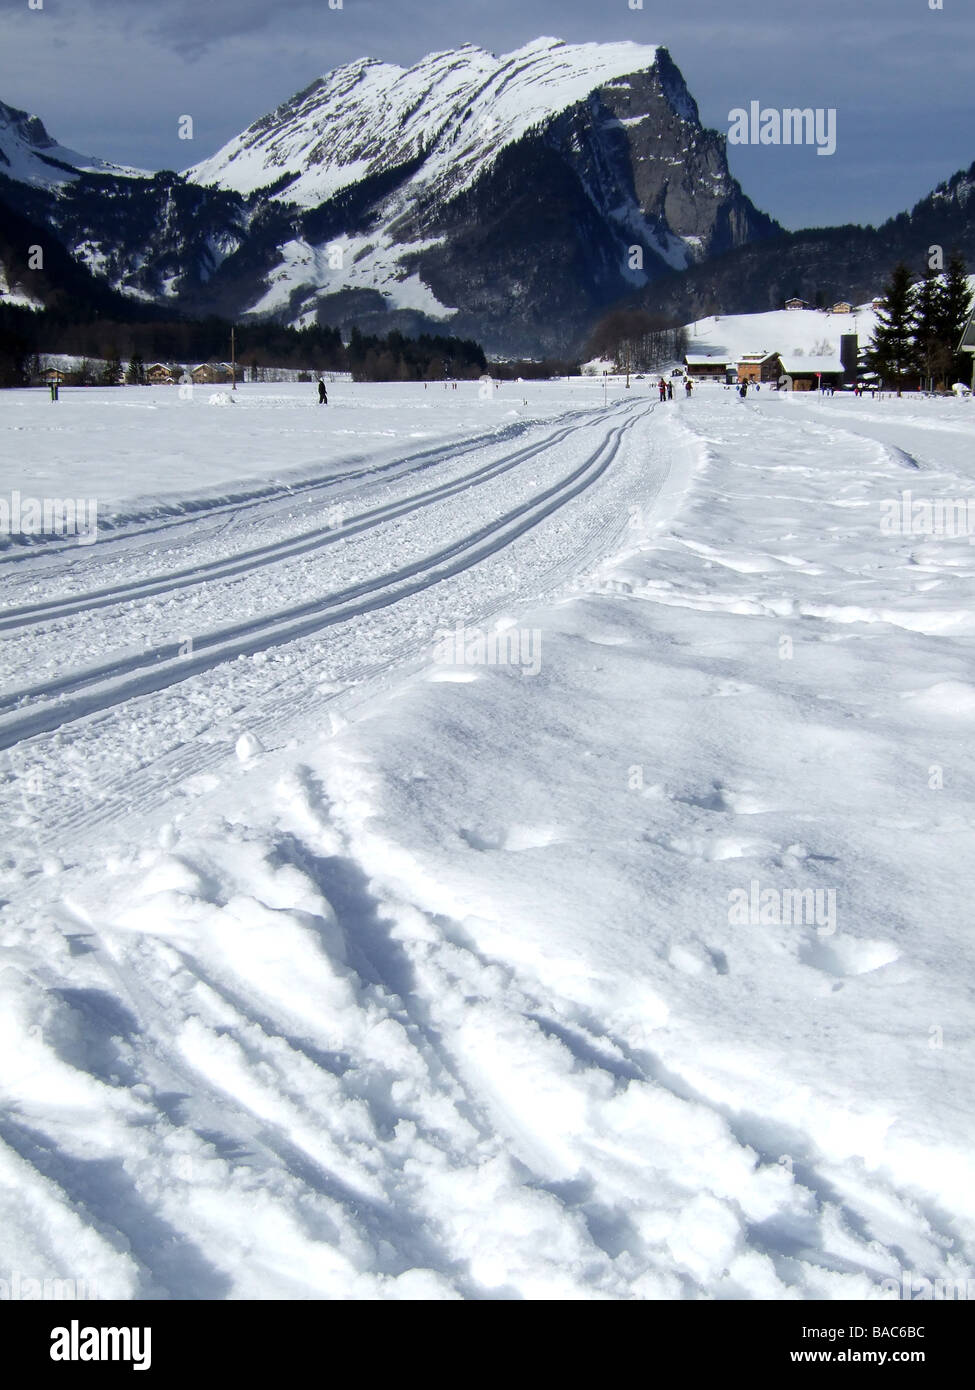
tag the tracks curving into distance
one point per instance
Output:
(39, 709)
(244, 562)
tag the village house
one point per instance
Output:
(207, 373)
(52, 376)
(759, 366)
(703, 366)
(796, 304)
(159, 375)
(843, 307)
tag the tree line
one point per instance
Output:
(112, 352)
(27, 334)
(637, 341)
(920, 323)
(429, 357)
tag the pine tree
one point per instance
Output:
(932, 356)
(136, 374)
(892, 349)
(954, 307)
(112, 371)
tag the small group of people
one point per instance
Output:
(666, 388)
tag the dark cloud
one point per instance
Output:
(112, 77)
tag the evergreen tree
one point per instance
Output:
(136, 374)
(892, 348)
(112, 370)
(932, 356)
(954, 307)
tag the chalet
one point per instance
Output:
(206, 373)
(703, 366)
(877, 304)
(759, 366)
(796, 304)
(158, 375)
(843, 307)
(53, 376)
(808, 373)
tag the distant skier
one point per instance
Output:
(662, 389)
(743, 389)
(322, 393)
(688, 386)
(670, 390)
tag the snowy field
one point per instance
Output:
(488, 848)
(791, 332)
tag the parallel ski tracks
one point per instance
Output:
(94, 691)
(163, 519)
(247, 561)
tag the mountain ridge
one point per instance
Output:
(514, 198)
(510, 198)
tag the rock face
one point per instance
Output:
(820, 265)
(510, 198)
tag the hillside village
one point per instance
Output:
(812, 347)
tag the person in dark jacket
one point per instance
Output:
(322, 393)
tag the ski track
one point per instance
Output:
(349, 1096)
(249, 560)
(214, 648)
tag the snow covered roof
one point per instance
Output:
(796, 364)
(701, 359)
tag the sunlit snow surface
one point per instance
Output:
(333, 970)
(460, 107)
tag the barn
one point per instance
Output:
(705, 366)
(806, 372)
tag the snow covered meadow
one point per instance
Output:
(488, 843)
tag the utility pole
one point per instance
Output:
(233, 358)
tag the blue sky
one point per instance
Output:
(112, 77)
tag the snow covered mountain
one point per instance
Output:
(500, 194)
(30, 155)
(512, 198)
